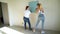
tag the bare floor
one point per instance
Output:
(21, 29)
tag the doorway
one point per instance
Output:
(1, 15)
(4, 18)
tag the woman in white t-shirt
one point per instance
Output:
(41, 17)
(26, 17)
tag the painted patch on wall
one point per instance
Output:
(33, 5)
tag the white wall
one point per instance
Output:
(59, 11)
(16, 9)
(52, 13)
(6, 1)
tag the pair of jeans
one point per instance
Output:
(26, 20)
(40, 18)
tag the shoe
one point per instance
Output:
(42, 32)
(25, 28)
(33, 30)
(30, 29)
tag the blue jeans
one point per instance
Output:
(26, 20)
(40, 18)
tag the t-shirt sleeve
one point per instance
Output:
(29, 12)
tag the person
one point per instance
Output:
(26, 17)
(41, 17)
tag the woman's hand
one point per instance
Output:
(42, 10)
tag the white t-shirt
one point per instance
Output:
(27, 13)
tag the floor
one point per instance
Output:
(21, 29)
(1, 24)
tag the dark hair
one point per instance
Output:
(38, 4)
(26, 7)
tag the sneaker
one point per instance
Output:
(30, 29)
(25, 28)
(33, 30)
(42, 32)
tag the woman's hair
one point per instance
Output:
(26, 7)
(39, 4)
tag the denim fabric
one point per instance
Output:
(26, 20)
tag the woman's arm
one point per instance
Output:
(37, 10)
